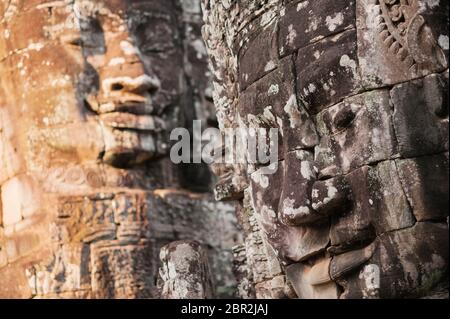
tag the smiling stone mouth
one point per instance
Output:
(138, 105)
(123, 120)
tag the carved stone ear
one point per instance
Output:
(423, 45)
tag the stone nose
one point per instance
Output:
(138, 84)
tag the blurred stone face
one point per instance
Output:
(108, 84)
(88, 92)
(133, 74)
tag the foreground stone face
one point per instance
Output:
(358, 207)
(89, 91)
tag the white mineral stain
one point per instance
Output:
(314, 23)
(333, 22)
(280, 125)
(269, 66)
(294, 114)
(443, 41)
(260, 179)
(371, 276)
(117, 61)
(306, 170)
(273, 89)
(346, 62)
(290, 38)
(289, 210)
(268, 114)
(312, 88)
(302, 5)
(317, 54)
(200, 48)
(267, 211)
(35, 46)
(128, 48)
(430, 3)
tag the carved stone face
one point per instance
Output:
(132, 74)
(110, 80)
(362, 155)
(89, 90)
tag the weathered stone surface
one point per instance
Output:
(312, 282)
(327, 71)
(305, 22)
(290, 243)
(25, 203)
(258, 56)
(410, 262)
(271, 103)
(379, 205)
(15, 283)
(123, 271)
(425, 183)
(356, 132)
(185, 271)
(242, 271)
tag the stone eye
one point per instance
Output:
(343, 118)
(72, 40)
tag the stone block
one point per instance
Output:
(14, 283)
(425, 183)
(123, 271)
(327, 71)
(10, 161)
(379, 205)
(407, 263)
(421, 115)
(306, 22)
(258, 56)
(356, 132)
(271, 102)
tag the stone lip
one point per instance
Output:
(121, 120)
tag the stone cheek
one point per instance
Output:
(291, 243)
(421, 115)
(379, 206)
(424, 180)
